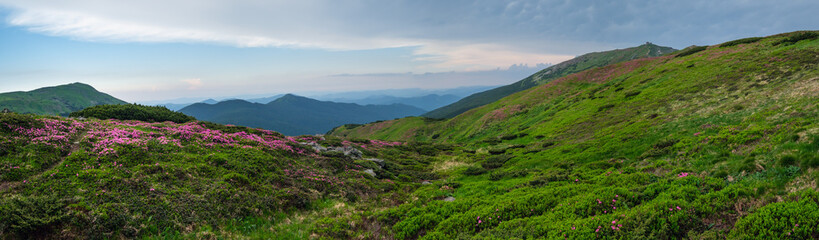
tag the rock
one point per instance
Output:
(370, 171)
(348, 150)
(380, 162)
(426, 183)
(449, 199)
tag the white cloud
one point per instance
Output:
(472, 57)
(193, 83)
(463, 34)
(326, 25)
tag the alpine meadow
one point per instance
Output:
(707, 142)
(402, 120)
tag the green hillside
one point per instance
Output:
(583, 62)
(295, 115)
(716, 142)
(105, 179)
(58, 100)
(712, 143)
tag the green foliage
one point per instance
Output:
(679, 160)
(796, 37)
(59, 100)
(495, 161)
(690, 50)
(741, 41)
(474, 170)
(782, 220)
(133, 112)
(669, 148)
(10, 120)
(787, 160)
(24, 215)
(578, 64)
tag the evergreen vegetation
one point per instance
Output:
(133, 112)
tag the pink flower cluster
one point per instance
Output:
(54, 132)
(683, 174)
(106, 135)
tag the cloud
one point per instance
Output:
(193, 83)
(465, 34)
(472, 57)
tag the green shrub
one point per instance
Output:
(798, 37)
(8, 120)
(133, 112)
(494, 176)
(236, 178)
(30, 216)
(787, 160)
(741, 41)
(632, 94)
(809, 161)
(473, 170)
(690, 50)
(782, 220)
(495, 161)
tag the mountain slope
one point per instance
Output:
(295, 115)
(712, 143)
(426, 102)
(586, 61)
(57, 100)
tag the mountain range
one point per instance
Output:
(709, 142)
(426, 102)
(583, 62)
(57, 100)
(296, 115)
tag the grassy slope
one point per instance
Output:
(728, 134)
(58, 100)
(584, 62)
(64, 178)
(689, 156)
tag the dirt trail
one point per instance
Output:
(75, 146)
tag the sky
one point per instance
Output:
(165, 49)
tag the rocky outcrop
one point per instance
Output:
(347, 150)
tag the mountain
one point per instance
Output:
(426, 102)
(586, 61)
(712, 142)
(58, 100)
(295, 115)
(404, 93)
(264, 99)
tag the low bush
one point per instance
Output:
(741, 41)
(690, 50)
(133, 112)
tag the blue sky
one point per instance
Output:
(162, 49)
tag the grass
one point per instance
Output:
(653, 148)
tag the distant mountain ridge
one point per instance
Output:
(296, 115)
(57, 100)
(426, 102)
(583, 62)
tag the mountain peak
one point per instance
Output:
(292, 98)
(56, 100)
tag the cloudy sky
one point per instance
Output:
(162, 49)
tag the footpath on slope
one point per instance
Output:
(75, 146)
